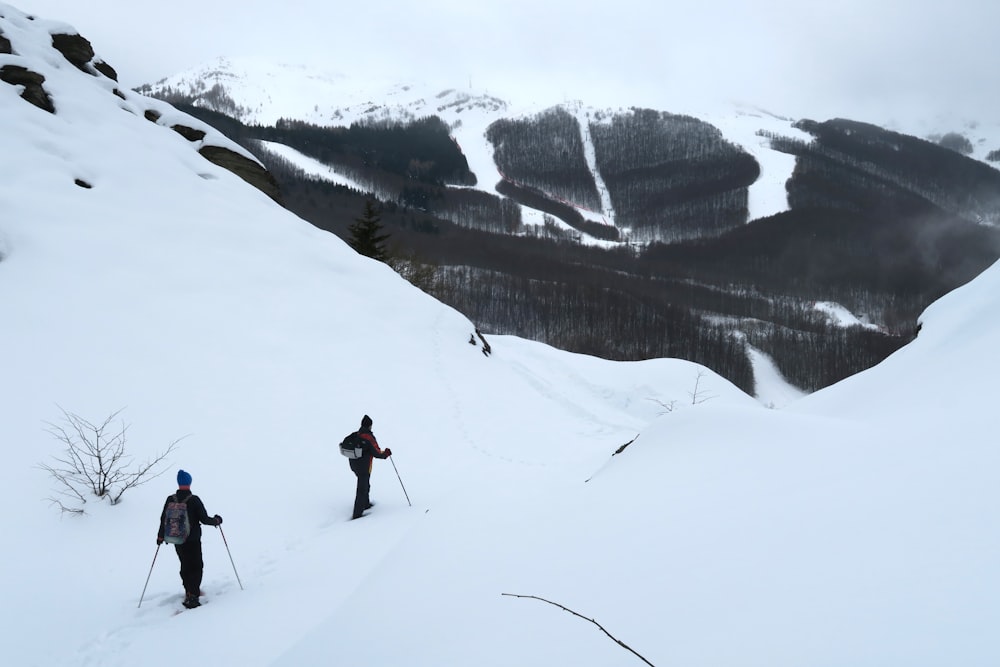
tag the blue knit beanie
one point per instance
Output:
(183, 478)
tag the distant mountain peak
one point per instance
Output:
(259, 91)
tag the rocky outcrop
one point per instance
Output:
(32, 81)
(106, 69)
(75, 48)
(250, 171)
(188, 133)
(78, 51)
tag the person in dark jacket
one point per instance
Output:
(362, 467)
(189, 552)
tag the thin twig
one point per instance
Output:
(613, 638)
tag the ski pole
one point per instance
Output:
(230, 557)
(400, 482)
(155, 554)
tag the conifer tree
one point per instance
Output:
(366, 234)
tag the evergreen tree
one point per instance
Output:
(366, 234)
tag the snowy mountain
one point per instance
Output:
(748, 231)
(851, 527)
(261, 92)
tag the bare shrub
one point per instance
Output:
(94, 461)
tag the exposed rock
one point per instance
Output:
(75, 48)
(188, 133)
(152, 115)
(119, 93)
(32, 82)
(5, 46)
(106, 69)
(78, 51)
(250, 171)
(83, 184)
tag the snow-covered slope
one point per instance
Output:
(853, 527)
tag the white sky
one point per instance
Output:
(853, 527)
(862, 58)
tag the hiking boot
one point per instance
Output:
(191, 601)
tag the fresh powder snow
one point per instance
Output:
(854, 526)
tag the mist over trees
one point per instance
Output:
(884, 169)
(956, 142)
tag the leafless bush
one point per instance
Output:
(94, 462)
(699, 395)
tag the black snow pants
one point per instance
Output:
(192, 566)
(361, 500)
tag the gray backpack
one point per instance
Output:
(352, 446)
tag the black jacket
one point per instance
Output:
(369, 450)
(197, 514)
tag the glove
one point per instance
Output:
(388, 452)
(159, 541)
(218, 520)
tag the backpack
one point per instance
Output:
(352, 446)
(176, 525)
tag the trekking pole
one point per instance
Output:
(400, 482)
(155, 554)
(230, 557)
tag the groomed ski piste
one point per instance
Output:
(855, 526)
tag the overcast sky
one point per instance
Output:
(863, 58)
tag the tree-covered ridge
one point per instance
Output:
(879, 162)
(545, 153)
(422, 150)
(537, 200)
(672, 177)
(405, 179)
(645, 138)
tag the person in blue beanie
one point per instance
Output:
(180, 524)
